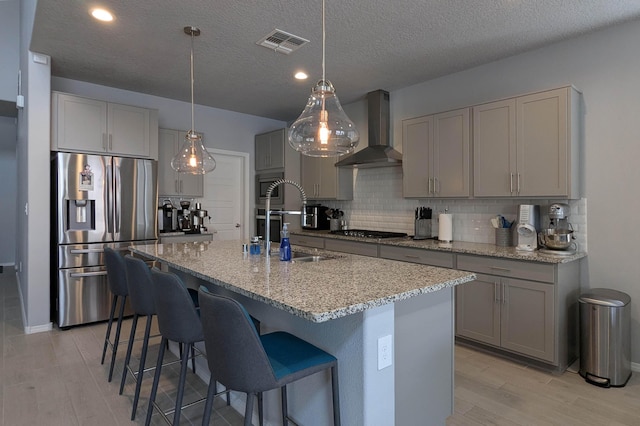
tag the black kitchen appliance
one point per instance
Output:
(317, 217)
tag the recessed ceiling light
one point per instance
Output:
(102, 15)
(301, 75)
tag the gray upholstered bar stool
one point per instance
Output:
(178, 321)
(117, 280)
(245, 361)
(140, 286)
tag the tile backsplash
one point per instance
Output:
(378, 204)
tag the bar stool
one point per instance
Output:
(117, 280)
(140, 287)
(245, 361)
(178, 321)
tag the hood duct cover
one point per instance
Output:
(379, 152)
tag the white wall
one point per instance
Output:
(8, 189)
(604, 66)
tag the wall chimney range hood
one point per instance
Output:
(379, 152)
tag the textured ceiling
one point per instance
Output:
(371, 44)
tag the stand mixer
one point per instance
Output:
(557, 239)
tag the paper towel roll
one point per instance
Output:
(445, 228)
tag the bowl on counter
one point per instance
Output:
(556, 239)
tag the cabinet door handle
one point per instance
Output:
(504, 294)
(430, 182)
(110, 142)
(104, 141)
(496, 268)
(518, 183)
(511, 183)
(175, 185)
(495, 292)
(436, 185)
(411, 256)
(181, 190)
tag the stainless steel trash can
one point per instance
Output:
(605, 337)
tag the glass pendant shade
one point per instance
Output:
(193, 157)
(323, 129)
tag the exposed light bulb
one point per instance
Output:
(323, 131)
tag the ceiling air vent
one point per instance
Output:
(282, 41)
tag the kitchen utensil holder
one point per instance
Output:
(335, 224)
(503, 237)
(422, 229)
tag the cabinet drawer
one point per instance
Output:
(304, 240)
(507, 268)
(353, 247)
(426, 257)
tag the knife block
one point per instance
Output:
(422, 229)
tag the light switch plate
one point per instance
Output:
(385, 352)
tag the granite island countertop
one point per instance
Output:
(460, 247)
(319, 291)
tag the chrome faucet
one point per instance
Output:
(269, 212)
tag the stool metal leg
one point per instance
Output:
(183, 377)
(114, 301)
(336, 395)
(117, 339)
(127, 358)
(143, 358)
(248, 411)
(208, 405)
(156, 379)
(285, 414)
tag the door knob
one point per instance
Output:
(237, 225)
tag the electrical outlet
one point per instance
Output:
(385, 352)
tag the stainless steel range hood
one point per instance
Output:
(379, 152)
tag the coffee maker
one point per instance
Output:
(528, 226)
(167, 217)
(197, 219)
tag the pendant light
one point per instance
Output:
(193, 157)
(323, 129)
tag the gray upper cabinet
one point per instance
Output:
(322, 180)
(170, 182)
(527, 146)
(436, 155)
(88, 125)
(269, 150)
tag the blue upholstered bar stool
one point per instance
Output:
(245, 361)
(117, 280)
(140, 286)
(178, 321)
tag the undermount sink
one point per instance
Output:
(310, 258)
(306, 257)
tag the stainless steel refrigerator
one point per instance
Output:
(97, 202)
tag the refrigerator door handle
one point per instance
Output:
(117, 179)
(109, 195)
(87, 274)
(84, 251)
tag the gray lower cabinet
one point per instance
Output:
(414, 255)
(304, 240)
(526, 308)
(353, 247)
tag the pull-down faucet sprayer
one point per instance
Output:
(269, 212)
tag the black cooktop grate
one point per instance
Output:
(366, 233)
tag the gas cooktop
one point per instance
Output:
(365, 233)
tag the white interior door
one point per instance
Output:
(226, 196)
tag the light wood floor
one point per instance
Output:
(55, 378)
(494, 391)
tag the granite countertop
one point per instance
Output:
(460, 247)
(317, 291)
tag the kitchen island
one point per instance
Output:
(343, 304)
